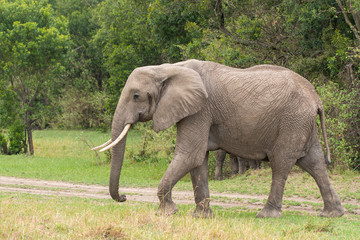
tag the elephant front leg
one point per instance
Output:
(199, 178)
(172, 175)
(189, 155)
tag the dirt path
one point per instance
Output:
(55, 188)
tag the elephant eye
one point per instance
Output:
(136, 96)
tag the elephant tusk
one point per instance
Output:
(102, 145)
(121, 136)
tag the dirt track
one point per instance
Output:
(54, 188)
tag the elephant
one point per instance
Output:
(264, 111)
(238, 165)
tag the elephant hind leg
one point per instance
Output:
(242, 165)
(234, 163)
(281, 167)
(314, 164)
(220, 158)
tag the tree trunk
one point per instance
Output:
(29, 146)
(25, 143)
(30, 139)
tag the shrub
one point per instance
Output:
(17, 138)
(81, 109)
(155, 146)
(340, 113)
(355, 163)
(3, 144)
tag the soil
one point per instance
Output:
(226, 200)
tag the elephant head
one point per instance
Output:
(165, 93)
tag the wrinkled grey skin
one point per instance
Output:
(259, 112)
(238, 165)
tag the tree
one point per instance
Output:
(85, 66)
(168, 21)
(353, 8)
(126, 41)
(33, 43)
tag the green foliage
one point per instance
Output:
(338, 105)
(80, 109)
(155, 147)
(355, 163)
(33, 43)
(125, 40)
(59, 50)
(107, 156)
(8, 105)
(336, 62)
(16, 136)
(168, 21)
(3, 144)
(84, 66)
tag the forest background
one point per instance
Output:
(63, 63)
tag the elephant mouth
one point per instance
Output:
(109, 144)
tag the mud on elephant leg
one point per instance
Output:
(199, 178)
(314, 164)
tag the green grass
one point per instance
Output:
(41, 217)
(65, 156)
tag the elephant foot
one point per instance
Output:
(167, 209)
(121, 198)
(269, 212)
(203, 209)
(201, 212)
(337, 211)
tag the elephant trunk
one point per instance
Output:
(117, 157)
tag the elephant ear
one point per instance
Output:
(182, 94)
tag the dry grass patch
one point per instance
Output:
(39, 217)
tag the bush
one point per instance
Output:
(3, 144)
(17, 138)
(355, 163)
(81, 109)
(340, 113)
(155, 146)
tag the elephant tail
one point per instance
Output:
(323, 128)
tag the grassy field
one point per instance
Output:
(65, 156)
(38, 217)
